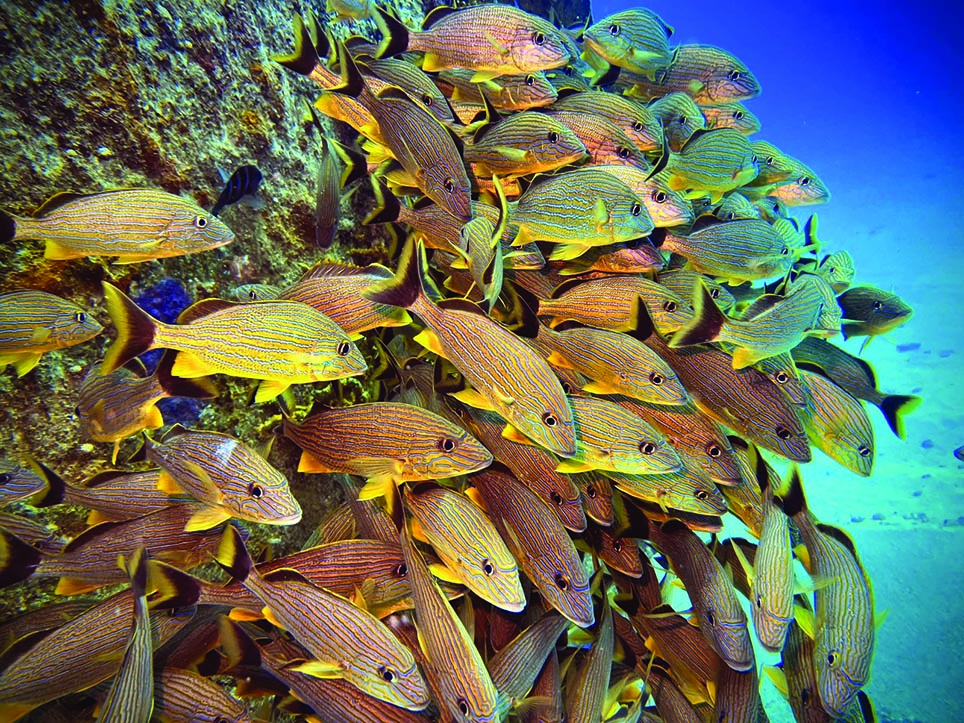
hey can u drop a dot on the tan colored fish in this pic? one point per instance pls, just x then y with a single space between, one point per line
134 224
732 115
279 342
35 322
515 667
523 143
708 74
605 141
837 424
20 482
666 207
637 40
634 119
506 92
183 696
588 684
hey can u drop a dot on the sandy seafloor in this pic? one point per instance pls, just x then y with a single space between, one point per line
868 94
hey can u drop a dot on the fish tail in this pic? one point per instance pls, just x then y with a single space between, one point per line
18 560
394 34
895 407
8 227
199 388
56 487
387 207
706 323
793 501
175 588
233 556
352 83
304 58
135 329
409 282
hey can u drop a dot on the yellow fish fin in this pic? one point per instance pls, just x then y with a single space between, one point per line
168 485
206 518
74 586
567 252
15 711
743 357
747 567
418 532
429 339
880 617
211 490
432 63
40 334
268 389
472 398
569 466
514 435
558 360
58 252
445 573
523 237
473 494
311 464
269 615
245 616
25 362
484 76
189 366
381 486
320 669
803 555
96 517
116 449
779 679
598 387
805 619
516 155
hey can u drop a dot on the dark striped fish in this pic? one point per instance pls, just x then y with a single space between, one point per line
605 141
33 535
837 425
738 697
467 689
115 495
539 543
634 257
134 224
633 119
587 685
597 496
680 118
183 696
386 443
492 40
672 704
228 477
844 626
23 626
521 144
732 115
416 84
19 482
468 543
131 696
620 553
506 375
708 74
243 182
516 666
637 40
545 704
869 311
279 342
712 162
345 641
35 322
328 187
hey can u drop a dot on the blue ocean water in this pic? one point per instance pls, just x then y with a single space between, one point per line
868 95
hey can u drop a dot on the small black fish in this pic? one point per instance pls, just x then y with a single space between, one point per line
959 453
243 182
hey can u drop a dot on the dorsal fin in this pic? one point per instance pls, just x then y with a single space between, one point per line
285 574
435 15
840 536
203 308
58 200
89 534
460 305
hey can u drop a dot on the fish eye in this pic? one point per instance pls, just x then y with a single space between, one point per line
681 120
562 582
670 306
635 209
591 492
427 100
701 494
449 185
253 295
863 450
784 433
638 126
782 377
710 617
622 152
730 216
200 222
759 601
256 490
80 317
714 293
878 305
768 160
784 251
549 419
734 75
656 378
617 545
567 387
343 349
647 448
714 450
553 137
738 115
387 674
832 658
462 703
487 567
556 497
805 181
401 570
753 158
530 79
659 196
4 478
447 444
805 696
568 71
538 38
614 30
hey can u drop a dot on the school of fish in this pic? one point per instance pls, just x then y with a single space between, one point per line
600 336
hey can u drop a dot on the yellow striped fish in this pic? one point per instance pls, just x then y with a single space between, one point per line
468 543
745 500
666 207
738 697
634 119
228 477
680 118
606 143
637 40
837 424
781 370
844 627
134 224
492 40
732 115
467 689
597 496
634 257
183 696
711 163
507 92
387 443
775 166
344 640
539 543
279 342
687 490
114 495
416 84
735 206
683 282
35 322
515 667
131 696
586 687
708 74
19 482
521 144
506 375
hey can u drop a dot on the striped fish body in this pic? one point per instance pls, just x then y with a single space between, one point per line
609 437
721 618
491 39
79 654
837 425
183 696
441 230
738 251
539 543
335 290
350 111
743 400
671 703
680 117
732 115
637 257
130 224
775 165
524 143
588 684
18 482
773 580
597 496
666 207
349 642
469 545
713 162
467 689
736 206
34 322
257 292
36 534
417 85
605 141
532 466
507 92
386 440
89 560
613 303
546 697
684 282
745 500
621 554
781 370
637 40
803 188
879 309
617 364
115 495
516 666
687 490
327 194
709 75
229 478
582 208
837 269
635 120
696 437
738 697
